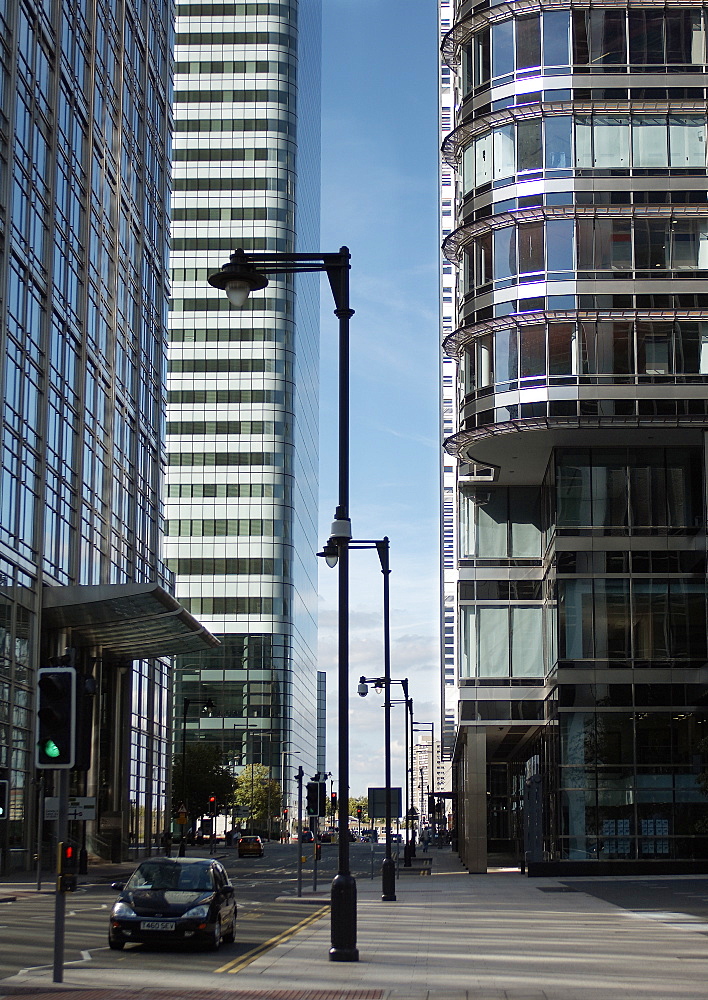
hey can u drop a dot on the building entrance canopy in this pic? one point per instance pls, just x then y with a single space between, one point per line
132 620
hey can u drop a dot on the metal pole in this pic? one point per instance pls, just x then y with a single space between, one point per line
40 818
407 847
298 778
433 764
60 897
343 896
185 709
388 868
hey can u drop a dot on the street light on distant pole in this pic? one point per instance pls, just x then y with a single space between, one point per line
407 701
431 727
243 274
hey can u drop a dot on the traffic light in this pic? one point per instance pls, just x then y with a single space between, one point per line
285 814
431 805
66 867
4 799
334 803
359 812
212 805
313 798
56 716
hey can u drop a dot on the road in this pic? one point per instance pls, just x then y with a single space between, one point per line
27 925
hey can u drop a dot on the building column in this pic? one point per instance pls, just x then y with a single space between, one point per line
473 800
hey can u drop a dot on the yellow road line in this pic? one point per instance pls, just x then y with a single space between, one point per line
240 963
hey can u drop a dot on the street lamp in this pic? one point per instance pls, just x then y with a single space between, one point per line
382 546
408 702
208 704
431 727
243 274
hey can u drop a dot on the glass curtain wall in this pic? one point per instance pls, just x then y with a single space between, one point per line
242 404
578 149
85 93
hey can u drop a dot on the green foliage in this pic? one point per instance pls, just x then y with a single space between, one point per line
260 794
197 776
362 801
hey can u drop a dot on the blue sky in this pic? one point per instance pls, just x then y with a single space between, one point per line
379 198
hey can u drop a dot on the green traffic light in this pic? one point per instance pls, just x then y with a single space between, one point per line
50 749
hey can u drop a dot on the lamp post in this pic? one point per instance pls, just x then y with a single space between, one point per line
185 709
388 868
408 702
431 727
242 274
382 546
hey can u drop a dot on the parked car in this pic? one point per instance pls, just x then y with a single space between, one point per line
250 847
174 899
307 836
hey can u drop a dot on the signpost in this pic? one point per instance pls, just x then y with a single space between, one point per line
80 807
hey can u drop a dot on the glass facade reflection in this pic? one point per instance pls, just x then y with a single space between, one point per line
85 134
577 161
243 384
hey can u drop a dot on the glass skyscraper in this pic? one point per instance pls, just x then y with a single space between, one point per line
85 149
243 385
579 235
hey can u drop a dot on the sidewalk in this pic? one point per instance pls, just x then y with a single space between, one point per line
449 936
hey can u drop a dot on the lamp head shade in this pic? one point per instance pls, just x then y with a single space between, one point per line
238 278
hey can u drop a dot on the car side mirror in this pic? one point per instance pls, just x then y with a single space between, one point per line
118 886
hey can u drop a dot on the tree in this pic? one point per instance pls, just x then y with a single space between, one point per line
260 794
363 801
199 775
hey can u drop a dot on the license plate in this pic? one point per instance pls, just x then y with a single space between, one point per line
156 925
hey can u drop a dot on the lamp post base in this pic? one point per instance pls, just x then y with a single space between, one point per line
343 917
388 880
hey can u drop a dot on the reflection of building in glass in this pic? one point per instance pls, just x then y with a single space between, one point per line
243 384
581 339
85 102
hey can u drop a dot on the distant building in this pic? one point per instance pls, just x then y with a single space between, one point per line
243 384
432 776
574 192
85 128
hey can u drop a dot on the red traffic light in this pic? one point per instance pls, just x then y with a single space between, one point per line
212 798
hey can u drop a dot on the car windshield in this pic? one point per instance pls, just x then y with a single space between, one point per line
179 878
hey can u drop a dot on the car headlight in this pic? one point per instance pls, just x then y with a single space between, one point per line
197 913
122 909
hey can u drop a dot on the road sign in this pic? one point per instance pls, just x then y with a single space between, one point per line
377 803
81 807
241 812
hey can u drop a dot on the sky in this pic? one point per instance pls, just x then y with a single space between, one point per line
380 198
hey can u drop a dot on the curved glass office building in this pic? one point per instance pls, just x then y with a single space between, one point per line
581 338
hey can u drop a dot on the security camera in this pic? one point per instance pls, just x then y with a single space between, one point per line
363 689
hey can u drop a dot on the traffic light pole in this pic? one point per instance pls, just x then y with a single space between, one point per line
299 776
60 897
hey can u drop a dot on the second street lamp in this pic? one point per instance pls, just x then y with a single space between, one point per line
243 274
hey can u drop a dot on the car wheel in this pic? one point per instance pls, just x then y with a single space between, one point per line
215 939
115 945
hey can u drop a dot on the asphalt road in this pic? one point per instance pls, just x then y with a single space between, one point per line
27 924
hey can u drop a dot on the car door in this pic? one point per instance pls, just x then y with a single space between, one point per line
225 891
